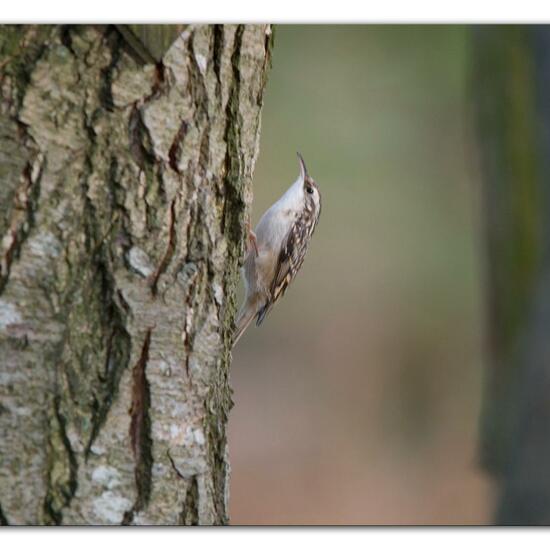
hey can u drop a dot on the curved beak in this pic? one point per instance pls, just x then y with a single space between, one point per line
303 169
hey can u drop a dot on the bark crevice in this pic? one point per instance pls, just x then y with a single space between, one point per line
140 430
190 512
169 249
62 471
3 518
25 203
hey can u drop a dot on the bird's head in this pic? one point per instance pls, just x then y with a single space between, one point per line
312 197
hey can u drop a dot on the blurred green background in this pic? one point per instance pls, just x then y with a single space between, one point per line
358 400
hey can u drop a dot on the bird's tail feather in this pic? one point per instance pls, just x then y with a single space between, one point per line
244 318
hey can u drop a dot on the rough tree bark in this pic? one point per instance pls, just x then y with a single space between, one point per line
512 88
123 192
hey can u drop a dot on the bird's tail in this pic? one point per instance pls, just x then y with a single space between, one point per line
247 313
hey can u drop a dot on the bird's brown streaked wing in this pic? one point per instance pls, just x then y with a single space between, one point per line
289 262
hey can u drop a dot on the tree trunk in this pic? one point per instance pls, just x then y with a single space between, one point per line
124 190
512 86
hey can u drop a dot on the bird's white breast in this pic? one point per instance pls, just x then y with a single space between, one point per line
277 221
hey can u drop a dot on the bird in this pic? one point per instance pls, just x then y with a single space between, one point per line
277 248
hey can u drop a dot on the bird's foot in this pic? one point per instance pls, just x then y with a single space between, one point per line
252 242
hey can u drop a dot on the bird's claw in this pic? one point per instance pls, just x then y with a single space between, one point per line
252 242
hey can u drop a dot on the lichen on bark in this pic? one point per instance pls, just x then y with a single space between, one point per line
124 190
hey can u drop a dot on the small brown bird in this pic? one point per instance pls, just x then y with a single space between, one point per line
277 249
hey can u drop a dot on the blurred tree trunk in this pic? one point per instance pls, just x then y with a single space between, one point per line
123 191
512 89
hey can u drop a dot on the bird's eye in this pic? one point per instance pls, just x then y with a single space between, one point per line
309 190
